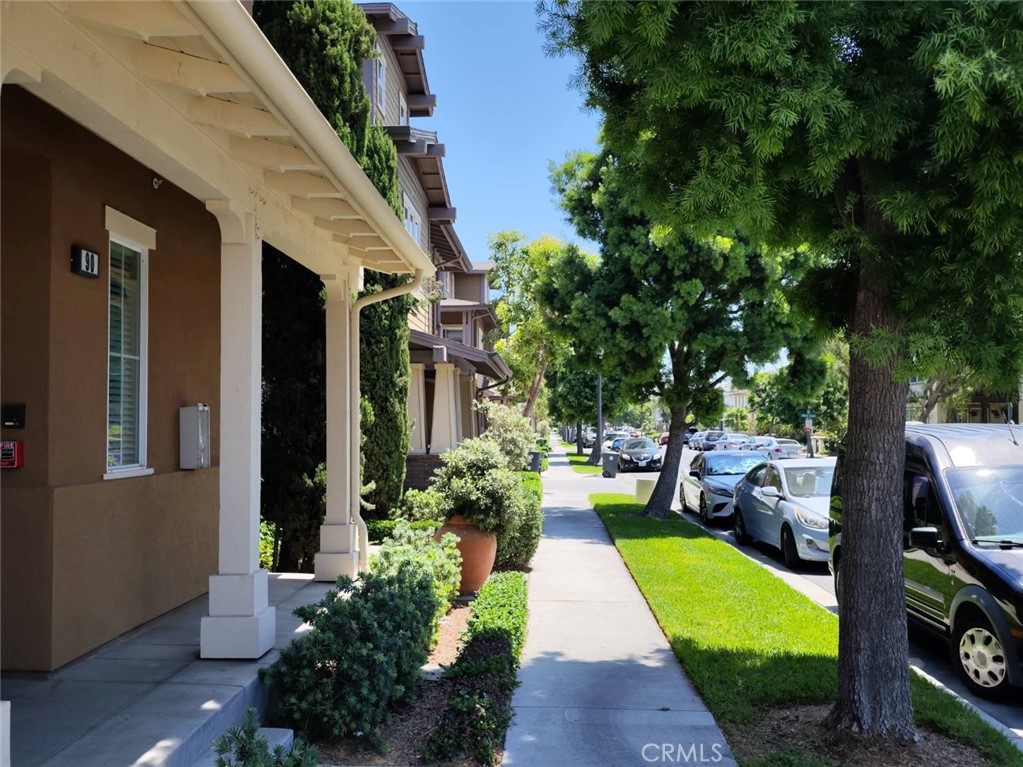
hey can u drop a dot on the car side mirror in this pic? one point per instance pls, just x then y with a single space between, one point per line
770 492
694 473
924 538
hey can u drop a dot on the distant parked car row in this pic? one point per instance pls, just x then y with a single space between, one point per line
962 540
768 447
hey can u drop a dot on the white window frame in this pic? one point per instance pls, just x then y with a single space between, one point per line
135 235
460 328
413 214
381 80
403 116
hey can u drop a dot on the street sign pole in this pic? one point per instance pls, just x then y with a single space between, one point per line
808 428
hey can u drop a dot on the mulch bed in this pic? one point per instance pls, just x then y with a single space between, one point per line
408 729
799 727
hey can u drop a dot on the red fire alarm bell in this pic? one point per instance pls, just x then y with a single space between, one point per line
12 454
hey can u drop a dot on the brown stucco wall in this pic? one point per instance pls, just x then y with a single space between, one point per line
26 583
124 550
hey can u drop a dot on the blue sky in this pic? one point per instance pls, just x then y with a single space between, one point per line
504 111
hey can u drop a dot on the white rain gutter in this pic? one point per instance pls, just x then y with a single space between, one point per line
355 387
247 49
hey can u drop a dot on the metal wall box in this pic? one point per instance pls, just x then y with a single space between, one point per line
194 426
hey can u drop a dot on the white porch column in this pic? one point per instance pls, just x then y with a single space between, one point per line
444 432
467 421
417 407
241 623
459 433
338 553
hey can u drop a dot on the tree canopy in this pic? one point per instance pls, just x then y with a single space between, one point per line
882 137
672 314
528 340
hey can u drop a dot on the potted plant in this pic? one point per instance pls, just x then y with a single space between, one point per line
481 500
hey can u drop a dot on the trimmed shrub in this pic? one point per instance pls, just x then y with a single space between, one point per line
479 712
475 483
368 641
515 551
510 431
380 529
421 505
418 548
243 746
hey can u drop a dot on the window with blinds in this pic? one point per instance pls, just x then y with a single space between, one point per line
126 387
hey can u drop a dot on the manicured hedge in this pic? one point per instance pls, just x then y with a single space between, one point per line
515 550
479 712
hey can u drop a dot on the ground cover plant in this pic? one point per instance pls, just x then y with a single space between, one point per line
578 462
752 645
479 709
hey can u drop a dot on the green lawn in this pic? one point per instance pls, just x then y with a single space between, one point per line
710 601
578 462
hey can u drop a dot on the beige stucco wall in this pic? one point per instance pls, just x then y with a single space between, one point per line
125 550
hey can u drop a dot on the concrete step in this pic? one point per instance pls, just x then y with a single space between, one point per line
275 736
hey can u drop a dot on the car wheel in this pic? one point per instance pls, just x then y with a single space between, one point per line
704 516
980 657
742 537
788 549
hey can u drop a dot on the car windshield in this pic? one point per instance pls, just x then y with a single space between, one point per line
731 464
639 444
990 501
810 481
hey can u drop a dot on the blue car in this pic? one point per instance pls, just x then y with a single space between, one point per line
785 504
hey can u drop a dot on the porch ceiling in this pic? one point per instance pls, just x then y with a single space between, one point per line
194 91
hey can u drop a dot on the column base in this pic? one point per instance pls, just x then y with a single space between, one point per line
329 565
237 637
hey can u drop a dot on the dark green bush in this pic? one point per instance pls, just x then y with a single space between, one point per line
418 548
368 641
479 712
243 746
379 529
515 551
475 483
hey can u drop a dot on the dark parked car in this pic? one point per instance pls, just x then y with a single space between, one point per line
639 454
963 546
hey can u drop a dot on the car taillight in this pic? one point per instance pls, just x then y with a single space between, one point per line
777 450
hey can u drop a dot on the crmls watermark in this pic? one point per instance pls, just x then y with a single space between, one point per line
677 753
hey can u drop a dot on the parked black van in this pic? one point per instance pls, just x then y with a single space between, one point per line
963 546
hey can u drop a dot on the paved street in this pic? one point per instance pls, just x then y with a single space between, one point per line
927 653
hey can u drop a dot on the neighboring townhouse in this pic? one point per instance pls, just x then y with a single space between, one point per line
452 364
148 150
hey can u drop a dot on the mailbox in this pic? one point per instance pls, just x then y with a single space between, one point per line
194 430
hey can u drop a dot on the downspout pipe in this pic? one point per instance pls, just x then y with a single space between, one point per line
356 411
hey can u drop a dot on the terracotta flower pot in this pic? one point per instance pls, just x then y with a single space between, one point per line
478 550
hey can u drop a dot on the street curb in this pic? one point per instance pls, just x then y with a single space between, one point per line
1008 733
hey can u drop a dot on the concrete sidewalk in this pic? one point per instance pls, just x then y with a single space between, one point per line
600 684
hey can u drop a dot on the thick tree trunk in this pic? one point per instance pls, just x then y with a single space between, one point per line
660 501
578 438
873 668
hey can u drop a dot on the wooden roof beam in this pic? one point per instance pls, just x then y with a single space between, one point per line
324 207
301 184
346 227
408 42
442 214
235 118
191 73
271 155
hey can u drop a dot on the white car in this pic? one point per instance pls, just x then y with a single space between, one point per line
610 437
777 447
696 440
731 441
785 504
706 487
754 443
